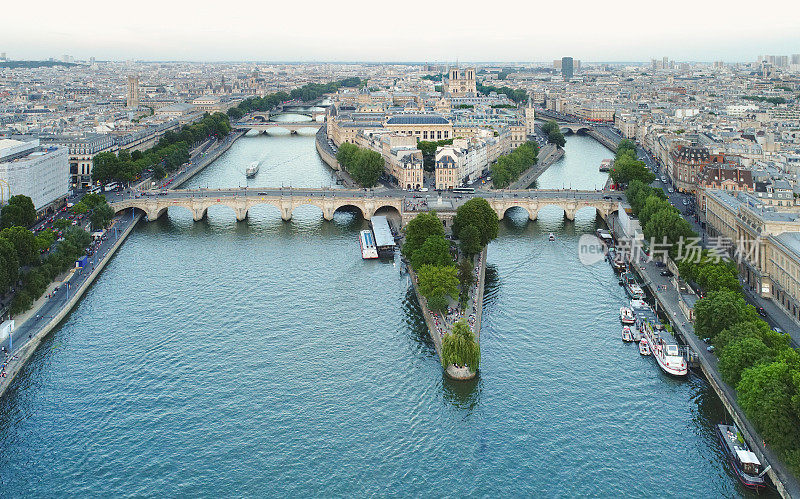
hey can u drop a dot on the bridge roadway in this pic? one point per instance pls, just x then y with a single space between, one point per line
263 126
368 202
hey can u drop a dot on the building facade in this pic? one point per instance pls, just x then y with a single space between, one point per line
39 172
461 83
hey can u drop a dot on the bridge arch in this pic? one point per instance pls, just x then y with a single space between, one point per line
515 210
349 208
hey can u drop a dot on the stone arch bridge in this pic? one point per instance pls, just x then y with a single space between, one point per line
366 202
265 126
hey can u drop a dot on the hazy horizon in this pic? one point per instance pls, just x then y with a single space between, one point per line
415 31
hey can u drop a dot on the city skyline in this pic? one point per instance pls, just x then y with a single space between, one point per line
349 31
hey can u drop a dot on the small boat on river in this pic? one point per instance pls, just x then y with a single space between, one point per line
367 242
626 315
664 349
252 170
744 462
643 348
627 335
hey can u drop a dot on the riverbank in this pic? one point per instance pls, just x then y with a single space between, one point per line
47 308
460 374
548 155
329 157
23 353
206 160
668 300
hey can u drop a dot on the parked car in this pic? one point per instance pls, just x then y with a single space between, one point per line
761 311
666 273
660 264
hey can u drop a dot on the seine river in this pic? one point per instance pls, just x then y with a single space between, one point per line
268 359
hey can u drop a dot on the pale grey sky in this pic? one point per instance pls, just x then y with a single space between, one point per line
410 30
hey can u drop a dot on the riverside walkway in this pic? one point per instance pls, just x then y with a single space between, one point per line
61 297
438 325
667 298
548 155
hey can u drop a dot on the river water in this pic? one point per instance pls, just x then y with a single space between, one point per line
267 358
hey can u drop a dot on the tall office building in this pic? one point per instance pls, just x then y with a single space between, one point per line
133 91
795 58
567 68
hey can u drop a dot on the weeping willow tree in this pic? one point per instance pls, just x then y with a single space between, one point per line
460 348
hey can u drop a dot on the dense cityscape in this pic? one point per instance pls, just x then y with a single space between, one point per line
322 278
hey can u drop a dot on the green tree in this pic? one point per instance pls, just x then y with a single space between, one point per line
765 392
742 354
101 216
470 240
434 251
45 239
627 168
465 276
104 167
346 154
460 348
18 212
477 213
624 146
436 284
366 167
755 328
61 223
419 229
720 310
24 244
9 265
159 172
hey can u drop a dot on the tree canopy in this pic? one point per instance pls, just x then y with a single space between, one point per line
419 229
478 214
24 243
436 284
510 166
720 310
554 134
18 212
364 165
460 348
434 251
627 168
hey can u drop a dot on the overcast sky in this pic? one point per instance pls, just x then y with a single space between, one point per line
410 30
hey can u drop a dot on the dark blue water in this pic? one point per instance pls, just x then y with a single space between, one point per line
268 359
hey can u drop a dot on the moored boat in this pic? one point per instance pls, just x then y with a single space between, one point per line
643 348
627 336
551 237
367 242
664 350
744 462
626 315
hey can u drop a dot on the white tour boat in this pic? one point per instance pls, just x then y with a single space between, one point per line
664 350
626 315
551 237
368 248
252 170
627 335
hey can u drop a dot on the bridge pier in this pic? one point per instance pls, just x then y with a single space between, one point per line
327 211
286 212
570 213
154 213
199 214
241 214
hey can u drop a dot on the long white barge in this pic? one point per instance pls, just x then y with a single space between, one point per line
367 242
